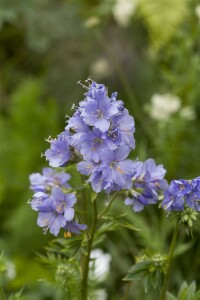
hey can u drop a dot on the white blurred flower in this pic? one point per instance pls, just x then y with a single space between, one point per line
188 113
162 106
100 68
123 11
100 295
100 263
10 270
197 11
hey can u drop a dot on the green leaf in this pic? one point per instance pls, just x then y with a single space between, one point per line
2 263
146 279
182 248
120 220
170 296
16 296
66 247
137 270
191 289
187 292
93 196
154 277
129 226
196 296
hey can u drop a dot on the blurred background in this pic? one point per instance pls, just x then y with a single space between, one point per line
146 50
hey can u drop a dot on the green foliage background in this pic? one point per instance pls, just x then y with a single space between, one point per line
46 46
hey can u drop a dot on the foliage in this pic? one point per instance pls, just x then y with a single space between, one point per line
150 268
187 292
45 48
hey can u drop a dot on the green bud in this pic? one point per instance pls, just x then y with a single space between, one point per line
190 223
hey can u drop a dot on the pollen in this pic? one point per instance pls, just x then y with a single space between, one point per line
120 170
67 234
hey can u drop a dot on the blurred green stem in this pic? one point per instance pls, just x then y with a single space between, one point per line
86 259
87 256
127 289
2 297
106 208
84 198
126 85
170 258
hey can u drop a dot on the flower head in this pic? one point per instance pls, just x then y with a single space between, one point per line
148 183
98 111
102 129
182 193
55 210
59 154
49 177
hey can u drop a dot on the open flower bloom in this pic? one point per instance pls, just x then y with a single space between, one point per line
182 193
59 154
148 183
49 177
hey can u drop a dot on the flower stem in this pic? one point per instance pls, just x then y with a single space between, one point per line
87 256
127 289
2 297
170 258
106 208
133 102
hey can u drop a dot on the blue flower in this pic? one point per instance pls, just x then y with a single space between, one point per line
182 193
63 203
124 126
147 184
193 198
172 201
116 169
54 210
52 221
40 201
181 187
95 91
59 153
112 172
99 123
79 130
95 171
48 179
92 145
74 227
98 113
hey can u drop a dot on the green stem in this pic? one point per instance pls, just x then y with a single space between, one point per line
126 293
87 257
170 258
106 208
2 297
84 198
136 107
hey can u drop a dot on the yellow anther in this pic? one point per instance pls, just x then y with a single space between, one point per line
120 170
67 234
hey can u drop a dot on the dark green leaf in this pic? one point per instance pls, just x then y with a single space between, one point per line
137 270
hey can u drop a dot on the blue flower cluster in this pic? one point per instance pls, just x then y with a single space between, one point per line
55 208
148 183
99 137
182 193
100 133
